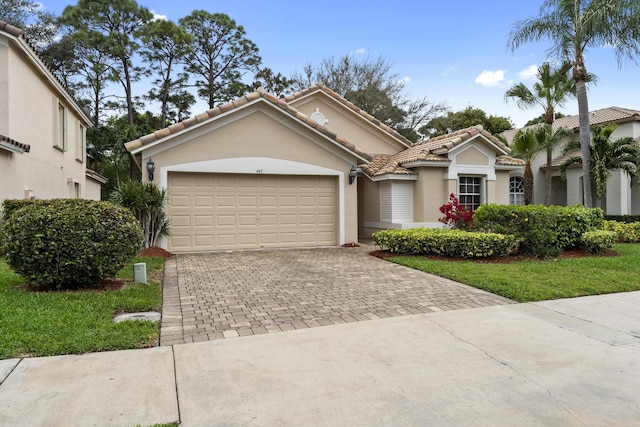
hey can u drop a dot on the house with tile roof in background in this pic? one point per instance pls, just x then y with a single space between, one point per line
311 169
42 129
621 198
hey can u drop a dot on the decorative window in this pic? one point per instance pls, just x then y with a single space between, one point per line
516 190
318 117
59 125
81 143
470 191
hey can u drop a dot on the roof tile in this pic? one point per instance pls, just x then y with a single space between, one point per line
23 147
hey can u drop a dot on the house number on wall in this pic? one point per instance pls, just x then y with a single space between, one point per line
258 170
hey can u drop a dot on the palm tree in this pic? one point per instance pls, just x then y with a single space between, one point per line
573 26
525 145
606 156
553 88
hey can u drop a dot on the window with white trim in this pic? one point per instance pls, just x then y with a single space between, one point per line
59 125
470 191
516 190
81 143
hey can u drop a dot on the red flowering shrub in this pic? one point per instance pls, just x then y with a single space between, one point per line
456 215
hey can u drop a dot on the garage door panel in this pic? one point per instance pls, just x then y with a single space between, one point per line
223 211
226 220
203 221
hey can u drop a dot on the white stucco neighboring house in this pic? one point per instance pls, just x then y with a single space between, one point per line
42 129
621 198
311 169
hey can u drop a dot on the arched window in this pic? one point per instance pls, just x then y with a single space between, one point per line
516 190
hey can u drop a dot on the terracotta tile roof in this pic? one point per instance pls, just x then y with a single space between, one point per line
384 164
13 143
8 28
443 143
558 161
211 113
596 117
351 106
96 176
509 161
434 150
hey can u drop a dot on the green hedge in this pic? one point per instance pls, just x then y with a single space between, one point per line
69 243
623 218
445 242
9 206
540 230
598 240
625 232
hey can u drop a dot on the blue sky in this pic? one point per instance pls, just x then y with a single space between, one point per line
453 52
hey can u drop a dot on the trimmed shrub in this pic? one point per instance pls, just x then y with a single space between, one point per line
625 232
445 242
623 218
70 243
598 240
9 206
541 230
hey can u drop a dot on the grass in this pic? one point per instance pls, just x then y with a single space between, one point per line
538 280
53 323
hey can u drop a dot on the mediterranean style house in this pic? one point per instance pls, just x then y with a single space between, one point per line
621 198
311 169
42 129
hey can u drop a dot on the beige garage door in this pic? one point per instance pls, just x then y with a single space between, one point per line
225 211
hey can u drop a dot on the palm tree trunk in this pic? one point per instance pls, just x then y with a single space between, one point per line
585 139
528 184
547 177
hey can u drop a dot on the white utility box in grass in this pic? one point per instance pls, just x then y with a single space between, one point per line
140 272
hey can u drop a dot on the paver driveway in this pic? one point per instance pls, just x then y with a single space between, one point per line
222 295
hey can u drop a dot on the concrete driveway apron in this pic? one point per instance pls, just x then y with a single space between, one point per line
223 295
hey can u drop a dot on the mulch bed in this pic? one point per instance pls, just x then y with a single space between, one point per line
103 286
502 260
154 251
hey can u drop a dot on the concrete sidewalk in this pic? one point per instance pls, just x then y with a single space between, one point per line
566 362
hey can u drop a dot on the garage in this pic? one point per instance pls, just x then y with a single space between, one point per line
218 211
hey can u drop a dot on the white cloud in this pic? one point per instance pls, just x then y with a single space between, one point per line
448 71
490 78
158 17
529 73
360 51
405 80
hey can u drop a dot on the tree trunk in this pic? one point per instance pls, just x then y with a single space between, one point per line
528 184
547 177
585 135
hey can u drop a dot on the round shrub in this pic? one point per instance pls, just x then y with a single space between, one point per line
70 243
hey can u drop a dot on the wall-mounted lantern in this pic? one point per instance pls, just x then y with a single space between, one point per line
353 173
151 168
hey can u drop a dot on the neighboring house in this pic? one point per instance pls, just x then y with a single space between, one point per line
267 172
42 129
621 199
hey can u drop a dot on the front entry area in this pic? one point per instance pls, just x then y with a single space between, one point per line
209 211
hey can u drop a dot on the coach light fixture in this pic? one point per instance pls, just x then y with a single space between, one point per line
151 168
353 173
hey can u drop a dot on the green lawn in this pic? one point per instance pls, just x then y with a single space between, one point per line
538 280
51 323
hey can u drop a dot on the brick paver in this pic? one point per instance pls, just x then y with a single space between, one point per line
234 294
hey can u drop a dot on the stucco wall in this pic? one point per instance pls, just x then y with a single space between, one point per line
45 170
348 124
430 192
258 140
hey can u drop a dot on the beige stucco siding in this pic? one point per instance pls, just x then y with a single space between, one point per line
349 124
501 188
472 156
430 192
262 141
46 171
